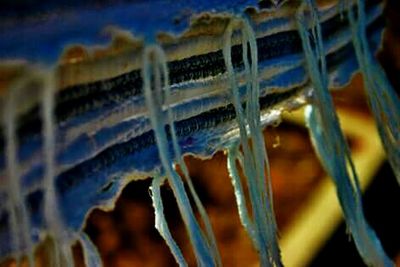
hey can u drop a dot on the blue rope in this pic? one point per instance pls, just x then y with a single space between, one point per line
383 100
331 146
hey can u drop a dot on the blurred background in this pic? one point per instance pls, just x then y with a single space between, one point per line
126 236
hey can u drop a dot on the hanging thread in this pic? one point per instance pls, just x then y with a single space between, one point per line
330 143
18 213
382 98
255 160
202 249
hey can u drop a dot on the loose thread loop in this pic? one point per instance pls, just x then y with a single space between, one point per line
179 157
62 253
255 160
19 220
201 246
331 145
382 98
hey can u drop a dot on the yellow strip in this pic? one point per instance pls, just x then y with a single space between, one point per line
315 223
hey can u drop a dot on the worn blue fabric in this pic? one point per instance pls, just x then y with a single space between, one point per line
77 147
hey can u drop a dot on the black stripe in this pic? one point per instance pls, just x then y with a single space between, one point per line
77 100
203 122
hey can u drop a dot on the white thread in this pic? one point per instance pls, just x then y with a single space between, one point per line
161 223
255 160
239 193
178 156
331 144
90 253
201 247
19 217
382 98
56 227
